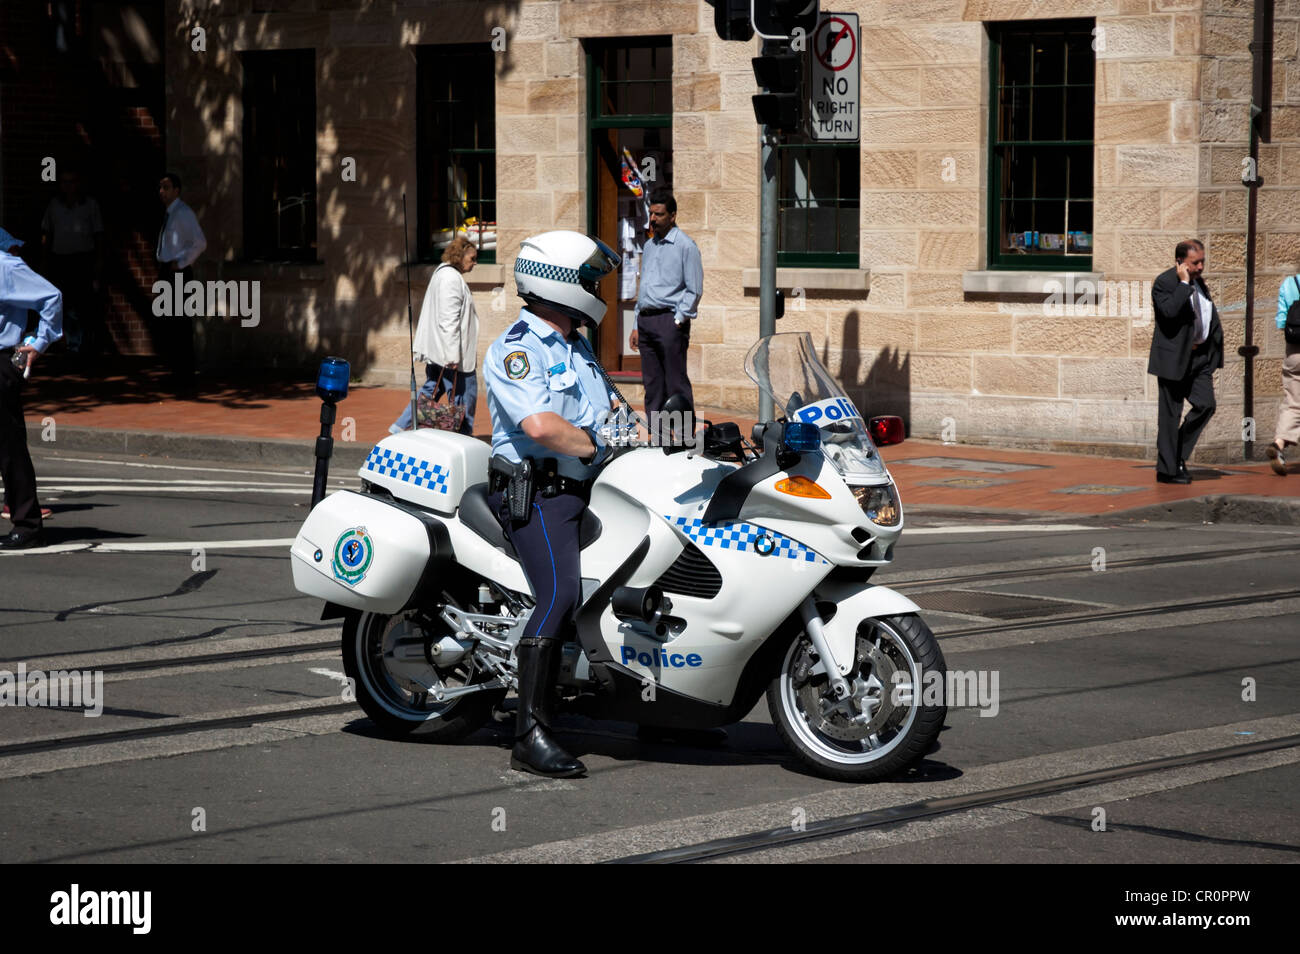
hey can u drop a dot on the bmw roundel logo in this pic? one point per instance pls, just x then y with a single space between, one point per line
764 544
318 556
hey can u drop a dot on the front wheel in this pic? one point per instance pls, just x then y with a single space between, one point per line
881 727
389 662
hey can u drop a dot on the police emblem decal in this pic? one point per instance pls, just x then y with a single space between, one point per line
516 365
353 552
764 544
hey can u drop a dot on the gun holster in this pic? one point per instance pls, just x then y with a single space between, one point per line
517 480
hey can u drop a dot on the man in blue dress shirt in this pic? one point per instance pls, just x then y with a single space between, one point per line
21 289
672 281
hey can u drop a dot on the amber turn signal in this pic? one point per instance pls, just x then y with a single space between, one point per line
802 487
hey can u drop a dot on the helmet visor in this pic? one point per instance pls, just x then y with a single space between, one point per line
600 263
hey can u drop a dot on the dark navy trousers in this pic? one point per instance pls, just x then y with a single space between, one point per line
663 345
548 548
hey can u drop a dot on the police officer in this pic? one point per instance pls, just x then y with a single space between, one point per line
21 289
548 399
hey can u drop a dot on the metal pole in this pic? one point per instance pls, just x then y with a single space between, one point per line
767 246
1249 349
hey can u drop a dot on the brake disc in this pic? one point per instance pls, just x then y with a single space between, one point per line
868 706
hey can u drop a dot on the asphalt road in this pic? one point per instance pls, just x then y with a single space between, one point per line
1115 647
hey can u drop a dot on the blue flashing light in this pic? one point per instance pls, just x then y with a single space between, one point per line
802 437
332 380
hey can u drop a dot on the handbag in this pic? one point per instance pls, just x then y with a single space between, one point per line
445 417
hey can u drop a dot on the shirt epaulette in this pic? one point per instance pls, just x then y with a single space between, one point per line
518 331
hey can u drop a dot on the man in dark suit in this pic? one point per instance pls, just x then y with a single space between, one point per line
1186 350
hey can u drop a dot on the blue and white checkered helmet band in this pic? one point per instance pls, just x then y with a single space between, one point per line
741 538
524 266
408 469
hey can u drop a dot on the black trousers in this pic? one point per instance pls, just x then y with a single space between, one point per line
1174 442
548 547
663 346
175 336
15 461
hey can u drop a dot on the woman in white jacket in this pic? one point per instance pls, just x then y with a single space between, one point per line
446 338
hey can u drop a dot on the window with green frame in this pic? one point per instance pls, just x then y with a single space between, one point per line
1041 144
455 150
818 205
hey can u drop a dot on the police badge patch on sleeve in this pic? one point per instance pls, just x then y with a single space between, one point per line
516 365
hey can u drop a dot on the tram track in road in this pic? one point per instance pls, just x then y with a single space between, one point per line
1014 574
928 809
273 653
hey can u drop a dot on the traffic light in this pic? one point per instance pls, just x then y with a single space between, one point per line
778 19
781 74
731 19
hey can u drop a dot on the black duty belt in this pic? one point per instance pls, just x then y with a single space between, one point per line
549 481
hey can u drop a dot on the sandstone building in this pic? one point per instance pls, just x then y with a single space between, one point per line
1006 145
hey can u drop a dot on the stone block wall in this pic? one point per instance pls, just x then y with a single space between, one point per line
1172 89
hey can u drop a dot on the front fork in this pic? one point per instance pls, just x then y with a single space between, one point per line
812 624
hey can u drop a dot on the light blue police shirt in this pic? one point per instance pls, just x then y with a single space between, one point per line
531 369
22 289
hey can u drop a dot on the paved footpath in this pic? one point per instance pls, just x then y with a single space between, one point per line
136 410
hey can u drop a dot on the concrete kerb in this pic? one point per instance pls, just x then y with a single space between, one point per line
238 450
1219 508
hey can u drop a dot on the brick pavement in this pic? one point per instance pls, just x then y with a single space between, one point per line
138 398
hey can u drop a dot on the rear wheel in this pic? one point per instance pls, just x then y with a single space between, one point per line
390 662
881 727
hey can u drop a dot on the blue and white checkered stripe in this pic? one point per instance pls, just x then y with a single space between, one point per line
557 273
741 537
408 469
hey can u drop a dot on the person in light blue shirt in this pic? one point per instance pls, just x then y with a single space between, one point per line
1288 415
672 283
21 290
531 369
548 400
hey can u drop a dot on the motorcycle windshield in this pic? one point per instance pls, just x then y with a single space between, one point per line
787 369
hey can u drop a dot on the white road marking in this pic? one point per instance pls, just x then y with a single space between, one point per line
332 674
186 546
1001 528
173 481
221 488
203 470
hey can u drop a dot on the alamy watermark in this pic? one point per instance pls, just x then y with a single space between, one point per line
666 429
1103 299
955 689
58 689
194 299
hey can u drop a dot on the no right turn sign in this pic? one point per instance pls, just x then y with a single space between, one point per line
836 79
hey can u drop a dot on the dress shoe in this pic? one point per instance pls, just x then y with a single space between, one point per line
1172 478
1183 471
1276 460
698 738
22 540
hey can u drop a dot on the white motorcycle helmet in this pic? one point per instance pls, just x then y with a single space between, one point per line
562 269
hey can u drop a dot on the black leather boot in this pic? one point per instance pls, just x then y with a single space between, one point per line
535 751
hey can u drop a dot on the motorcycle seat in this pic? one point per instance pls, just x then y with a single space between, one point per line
476 514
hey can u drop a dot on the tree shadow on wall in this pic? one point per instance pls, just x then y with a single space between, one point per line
878 382
366 110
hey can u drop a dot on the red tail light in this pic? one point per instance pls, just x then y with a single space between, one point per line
887 430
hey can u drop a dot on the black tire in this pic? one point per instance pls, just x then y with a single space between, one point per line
386 697
908 731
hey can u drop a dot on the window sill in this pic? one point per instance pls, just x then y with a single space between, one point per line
489 275
815 279
1021 283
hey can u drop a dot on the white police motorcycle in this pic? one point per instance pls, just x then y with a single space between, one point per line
710 575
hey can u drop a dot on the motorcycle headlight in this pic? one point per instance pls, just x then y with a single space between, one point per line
879 503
